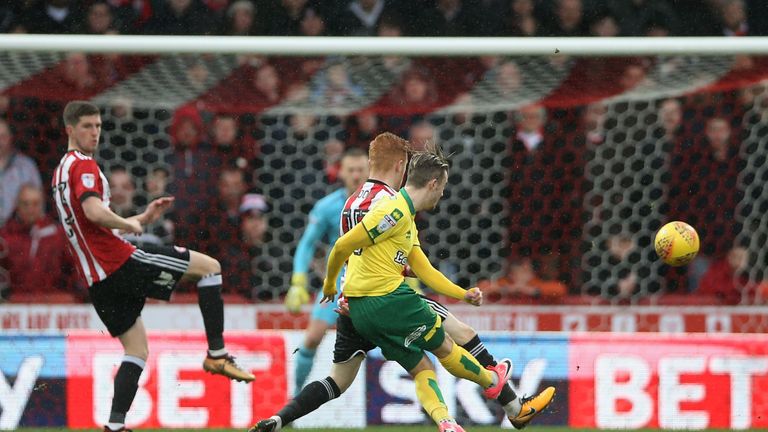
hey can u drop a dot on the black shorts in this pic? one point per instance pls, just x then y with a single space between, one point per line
350 343
152 271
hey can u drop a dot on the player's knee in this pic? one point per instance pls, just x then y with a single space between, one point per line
138 351
202 265
463 334
213 266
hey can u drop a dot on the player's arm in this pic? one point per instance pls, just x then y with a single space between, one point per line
354 239
154 210
96 212
437 281
297 294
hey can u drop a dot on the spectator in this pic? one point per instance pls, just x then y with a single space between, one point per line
726 278
16 169
244 259
671 119
361 129
161 231
333 151
50 16
507 79
268 86
593 122
518 20
99 20
734 18
156 183
361 18
420 134
229 144
334 87
223 216
312 23
182 17
569 19
194 168
530 126
285 19
704 193
241 20
522 281
451 18
76 73
417 90
634 75
603 25
122 192
622 254
8 16
37 258
639 17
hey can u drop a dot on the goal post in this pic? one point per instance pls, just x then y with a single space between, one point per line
568 153
408 46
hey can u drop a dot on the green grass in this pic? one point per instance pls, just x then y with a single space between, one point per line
378 429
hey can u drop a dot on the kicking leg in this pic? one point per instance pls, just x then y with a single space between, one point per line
136 351
466 337
206 271
462 364
519 411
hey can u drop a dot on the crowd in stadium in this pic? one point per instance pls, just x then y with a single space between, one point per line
389 17
214 172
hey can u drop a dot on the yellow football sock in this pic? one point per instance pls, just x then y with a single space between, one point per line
461 364
430 397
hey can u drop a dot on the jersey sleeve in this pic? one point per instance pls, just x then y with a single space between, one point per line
305 250
383 221
85 180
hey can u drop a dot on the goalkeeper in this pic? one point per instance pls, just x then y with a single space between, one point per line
323 225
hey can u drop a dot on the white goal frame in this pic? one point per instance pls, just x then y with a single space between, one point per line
408 46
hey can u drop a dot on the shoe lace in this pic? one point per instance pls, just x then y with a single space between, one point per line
231 360
525 399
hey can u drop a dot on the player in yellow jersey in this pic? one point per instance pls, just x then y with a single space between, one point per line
386 311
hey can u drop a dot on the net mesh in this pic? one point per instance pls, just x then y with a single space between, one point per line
571 163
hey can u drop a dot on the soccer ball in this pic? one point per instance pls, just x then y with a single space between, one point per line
677 243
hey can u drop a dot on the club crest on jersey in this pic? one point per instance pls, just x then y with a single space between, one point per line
89 180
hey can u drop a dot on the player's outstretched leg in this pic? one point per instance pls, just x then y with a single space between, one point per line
462 364
134 342
207 272
313 395
520 411
323 317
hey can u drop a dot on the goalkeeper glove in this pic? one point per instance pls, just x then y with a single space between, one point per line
297 294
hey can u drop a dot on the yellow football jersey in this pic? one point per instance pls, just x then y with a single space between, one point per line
377 269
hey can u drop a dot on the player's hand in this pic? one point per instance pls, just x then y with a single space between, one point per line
156 208
132 226
297 295
343 308
329 291
474 296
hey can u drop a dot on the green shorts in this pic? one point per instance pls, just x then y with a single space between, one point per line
400 323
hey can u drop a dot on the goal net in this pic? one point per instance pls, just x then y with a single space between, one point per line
569 163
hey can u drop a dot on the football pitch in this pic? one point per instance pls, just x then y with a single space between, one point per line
386 429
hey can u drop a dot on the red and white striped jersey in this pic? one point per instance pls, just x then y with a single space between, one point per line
97 250
358 204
